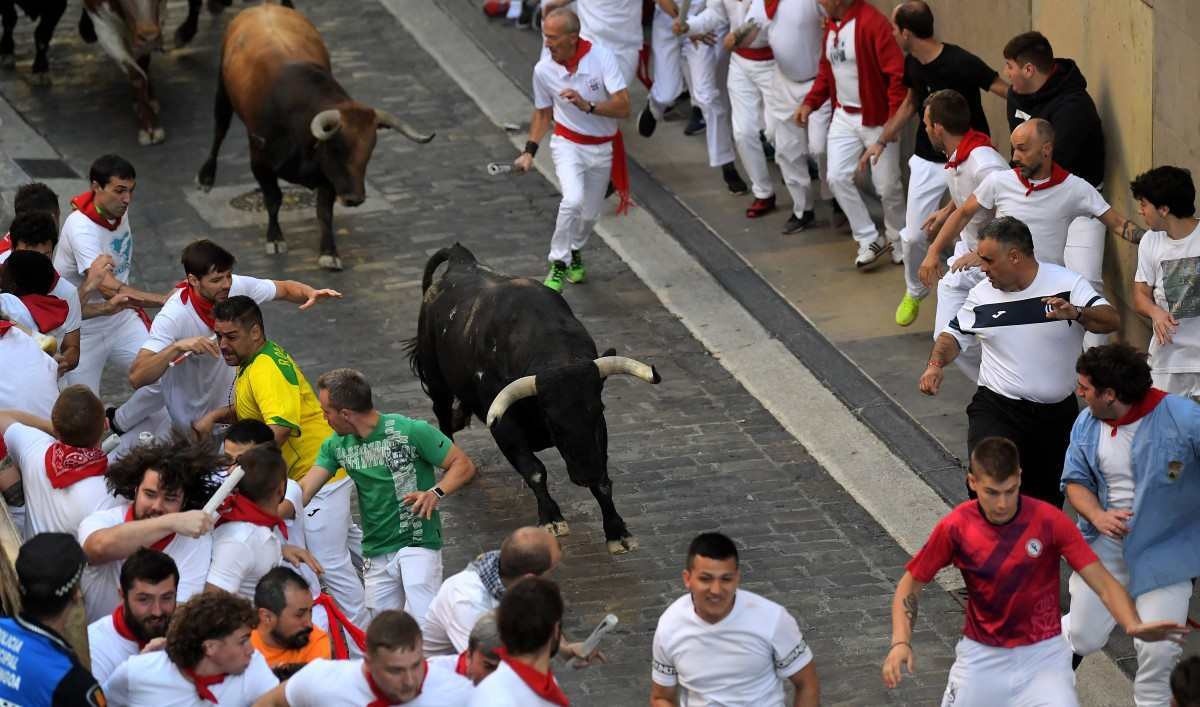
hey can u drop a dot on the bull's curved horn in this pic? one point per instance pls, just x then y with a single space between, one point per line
326 124
387 120
523 387
611 365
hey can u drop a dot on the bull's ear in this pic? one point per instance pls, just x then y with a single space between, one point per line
609 352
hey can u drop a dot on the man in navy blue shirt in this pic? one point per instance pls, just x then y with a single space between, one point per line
37 667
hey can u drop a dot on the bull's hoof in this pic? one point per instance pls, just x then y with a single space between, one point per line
185 34
153 136
276 247
558 528
330 262
204 185
8 61
622 546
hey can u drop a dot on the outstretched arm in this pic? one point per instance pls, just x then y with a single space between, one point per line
302 294
904 616
1118 602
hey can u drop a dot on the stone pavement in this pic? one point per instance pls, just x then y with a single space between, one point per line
694 453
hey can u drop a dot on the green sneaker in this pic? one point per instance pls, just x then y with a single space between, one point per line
576 273
907 312
554 280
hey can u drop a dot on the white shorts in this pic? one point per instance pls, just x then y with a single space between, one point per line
1037 675
406 579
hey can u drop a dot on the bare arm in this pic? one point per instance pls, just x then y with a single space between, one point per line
68 352
277 697
204 426
1163 322
999 87
1087 505
539 125
459 471
301 293
904 616
669 7
124 539
808 687
661 696
1118 602
9 418
1098 319
1121 226
617 106
313 481
894 124
149 366
945 350
956 221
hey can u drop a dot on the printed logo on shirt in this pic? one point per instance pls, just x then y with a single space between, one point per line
1034 548
999 314
1174 469
593 84
837 53
95 697
1181 286
792 655
1022 114
663 668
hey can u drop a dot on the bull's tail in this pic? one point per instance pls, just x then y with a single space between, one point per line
455 252
410 349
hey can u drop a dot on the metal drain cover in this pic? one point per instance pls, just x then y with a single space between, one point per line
294 198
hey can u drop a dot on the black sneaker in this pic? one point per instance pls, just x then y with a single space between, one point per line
696 123
87 30
647 122
768 148
111 414
796 224
733 180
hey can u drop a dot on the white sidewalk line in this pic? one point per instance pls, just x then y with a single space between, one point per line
876 479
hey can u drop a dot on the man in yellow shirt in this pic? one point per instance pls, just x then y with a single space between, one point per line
271 388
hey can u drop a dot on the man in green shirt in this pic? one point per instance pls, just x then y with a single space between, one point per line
391 459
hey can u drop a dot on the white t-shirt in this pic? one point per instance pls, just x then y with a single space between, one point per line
1171 268
152 680
200 383
843 59
452 614
504 688
795 38
63 290
741 660
963 180
36 388
1047 212
1025 355
324 683
596 79
82 241
241 554
1114 454
107 648
101 582
721 16
614 23
51 510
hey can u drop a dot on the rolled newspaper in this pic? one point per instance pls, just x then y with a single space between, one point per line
47 343
606 625
684 9
235 475
740 34
187 354
497 168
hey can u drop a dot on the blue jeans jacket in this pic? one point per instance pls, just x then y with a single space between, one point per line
1163 544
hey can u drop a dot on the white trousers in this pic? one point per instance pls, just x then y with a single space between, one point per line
793 143
1088 624
952 292
750 82
848 138
583 172
406 579
327 534
627 61
708 69
1084 253
667 51
926 185
1037 675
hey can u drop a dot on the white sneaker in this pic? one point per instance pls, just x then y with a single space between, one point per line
869 257
897 254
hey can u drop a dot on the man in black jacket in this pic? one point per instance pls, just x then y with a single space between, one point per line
1055 89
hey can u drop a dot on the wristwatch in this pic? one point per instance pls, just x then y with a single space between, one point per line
591 107
437 491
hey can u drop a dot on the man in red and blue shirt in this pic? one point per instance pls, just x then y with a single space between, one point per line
1007 547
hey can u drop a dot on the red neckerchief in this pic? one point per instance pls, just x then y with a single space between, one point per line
851 13
86 202
581 50
123 630
1058 175
771 6
5 325
6 243
337 623
461 666
238 508
67 465
1138 410
202 307
382 700
48 312
974 138
161 544
543 684
202 682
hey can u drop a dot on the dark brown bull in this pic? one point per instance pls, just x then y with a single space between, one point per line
187 30
303 126
128 31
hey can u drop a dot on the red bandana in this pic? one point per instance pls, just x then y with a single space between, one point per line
123 630
6 243
162 543
86 202
202 307
969 142
1138 410
382 700
581 50
1058 175
67 465
5 325
771 6
49 312
543 684
239 508
202 682
461 666
337 623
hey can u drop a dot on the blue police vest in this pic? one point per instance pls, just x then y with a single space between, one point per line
33 661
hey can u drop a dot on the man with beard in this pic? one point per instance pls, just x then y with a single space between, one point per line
168 484
149 580
285 634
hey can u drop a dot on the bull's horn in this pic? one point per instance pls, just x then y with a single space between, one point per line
326 124
387 120
524 387
610 365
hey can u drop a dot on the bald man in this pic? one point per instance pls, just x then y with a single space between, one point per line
1039 193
